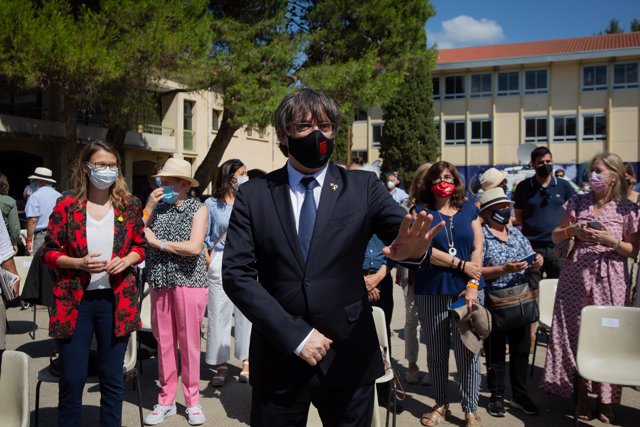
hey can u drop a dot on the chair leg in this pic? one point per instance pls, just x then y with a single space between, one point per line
32 333
38 403
576 380
137 385
395 400
389 408
535 349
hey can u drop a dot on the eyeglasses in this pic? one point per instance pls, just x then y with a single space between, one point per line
303 127
102 166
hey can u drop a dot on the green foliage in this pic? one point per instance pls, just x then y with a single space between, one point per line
359 51
614 27
635 25
410 137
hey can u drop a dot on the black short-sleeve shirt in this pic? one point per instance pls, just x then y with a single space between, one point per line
541 208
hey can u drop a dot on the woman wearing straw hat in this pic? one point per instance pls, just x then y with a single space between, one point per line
503 246
175 229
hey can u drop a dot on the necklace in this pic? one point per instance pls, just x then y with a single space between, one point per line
452 250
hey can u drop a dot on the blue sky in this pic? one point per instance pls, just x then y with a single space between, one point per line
460 23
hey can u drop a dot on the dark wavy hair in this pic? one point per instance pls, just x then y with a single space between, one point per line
425 196
4 185
224 183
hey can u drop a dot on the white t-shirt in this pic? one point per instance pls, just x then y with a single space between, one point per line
100 241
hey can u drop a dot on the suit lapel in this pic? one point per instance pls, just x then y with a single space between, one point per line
279 184
330 191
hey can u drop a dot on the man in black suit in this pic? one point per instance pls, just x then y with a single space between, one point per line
293 265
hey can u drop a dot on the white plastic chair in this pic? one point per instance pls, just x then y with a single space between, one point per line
129 370
14 389
388 376
546 299
608 347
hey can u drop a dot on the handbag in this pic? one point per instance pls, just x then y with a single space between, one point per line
512 307
564 249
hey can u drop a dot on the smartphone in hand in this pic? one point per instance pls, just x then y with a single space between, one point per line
596 225
530 259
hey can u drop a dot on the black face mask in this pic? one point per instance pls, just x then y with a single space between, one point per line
544 170
312 151
501 216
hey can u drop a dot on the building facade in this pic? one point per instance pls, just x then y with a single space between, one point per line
577 96
182 124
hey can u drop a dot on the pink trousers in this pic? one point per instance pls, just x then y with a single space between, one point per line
176 319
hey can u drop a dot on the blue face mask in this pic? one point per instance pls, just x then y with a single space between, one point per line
34 186
158 181
169 195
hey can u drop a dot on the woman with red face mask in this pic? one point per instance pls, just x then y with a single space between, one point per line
454 279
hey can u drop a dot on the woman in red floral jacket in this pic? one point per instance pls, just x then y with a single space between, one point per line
95 237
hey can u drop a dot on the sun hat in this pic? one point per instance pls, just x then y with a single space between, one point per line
178 168
491 197
474 326
43 174
492 178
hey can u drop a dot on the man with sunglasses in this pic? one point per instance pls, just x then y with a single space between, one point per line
293 265
538 206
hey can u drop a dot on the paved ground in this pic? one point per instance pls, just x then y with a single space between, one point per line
229 405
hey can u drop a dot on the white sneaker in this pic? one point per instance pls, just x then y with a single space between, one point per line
159 413
195 414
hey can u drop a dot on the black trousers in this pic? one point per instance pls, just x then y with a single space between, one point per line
519 340
337 407
552 266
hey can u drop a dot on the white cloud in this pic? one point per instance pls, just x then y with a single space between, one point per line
466 31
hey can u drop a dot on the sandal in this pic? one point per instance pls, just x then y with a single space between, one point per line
220 376
438 415
472 419
244 374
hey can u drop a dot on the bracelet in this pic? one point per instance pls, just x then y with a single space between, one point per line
162 245
146 214
617 245
453 258
473 283
566 233
459 264
463 264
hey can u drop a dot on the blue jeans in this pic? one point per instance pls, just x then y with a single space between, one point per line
95 315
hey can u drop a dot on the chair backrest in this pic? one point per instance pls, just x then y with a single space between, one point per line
608 345
381 330
14 389
22 266
546 300
145 309
131 355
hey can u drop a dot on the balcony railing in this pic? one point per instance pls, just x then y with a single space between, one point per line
155 129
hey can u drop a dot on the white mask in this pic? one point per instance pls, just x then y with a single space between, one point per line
240 180
391 185
103 179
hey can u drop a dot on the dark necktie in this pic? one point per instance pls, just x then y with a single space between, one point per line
307 215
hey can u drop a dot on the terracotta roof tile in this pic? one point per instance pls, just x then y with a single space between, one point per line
540 48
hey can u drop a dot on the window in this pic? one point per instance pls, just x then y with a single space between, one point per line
435 82
564 128
188 125
535 81
594 78
594 127
249 131
376 135
215 119
454 87
509 83
536 129
481 131
454 133
261 133
480 85
625 76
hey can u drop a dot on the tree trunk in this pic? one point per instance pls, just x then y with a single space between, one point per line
116 136
70 150
209 167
